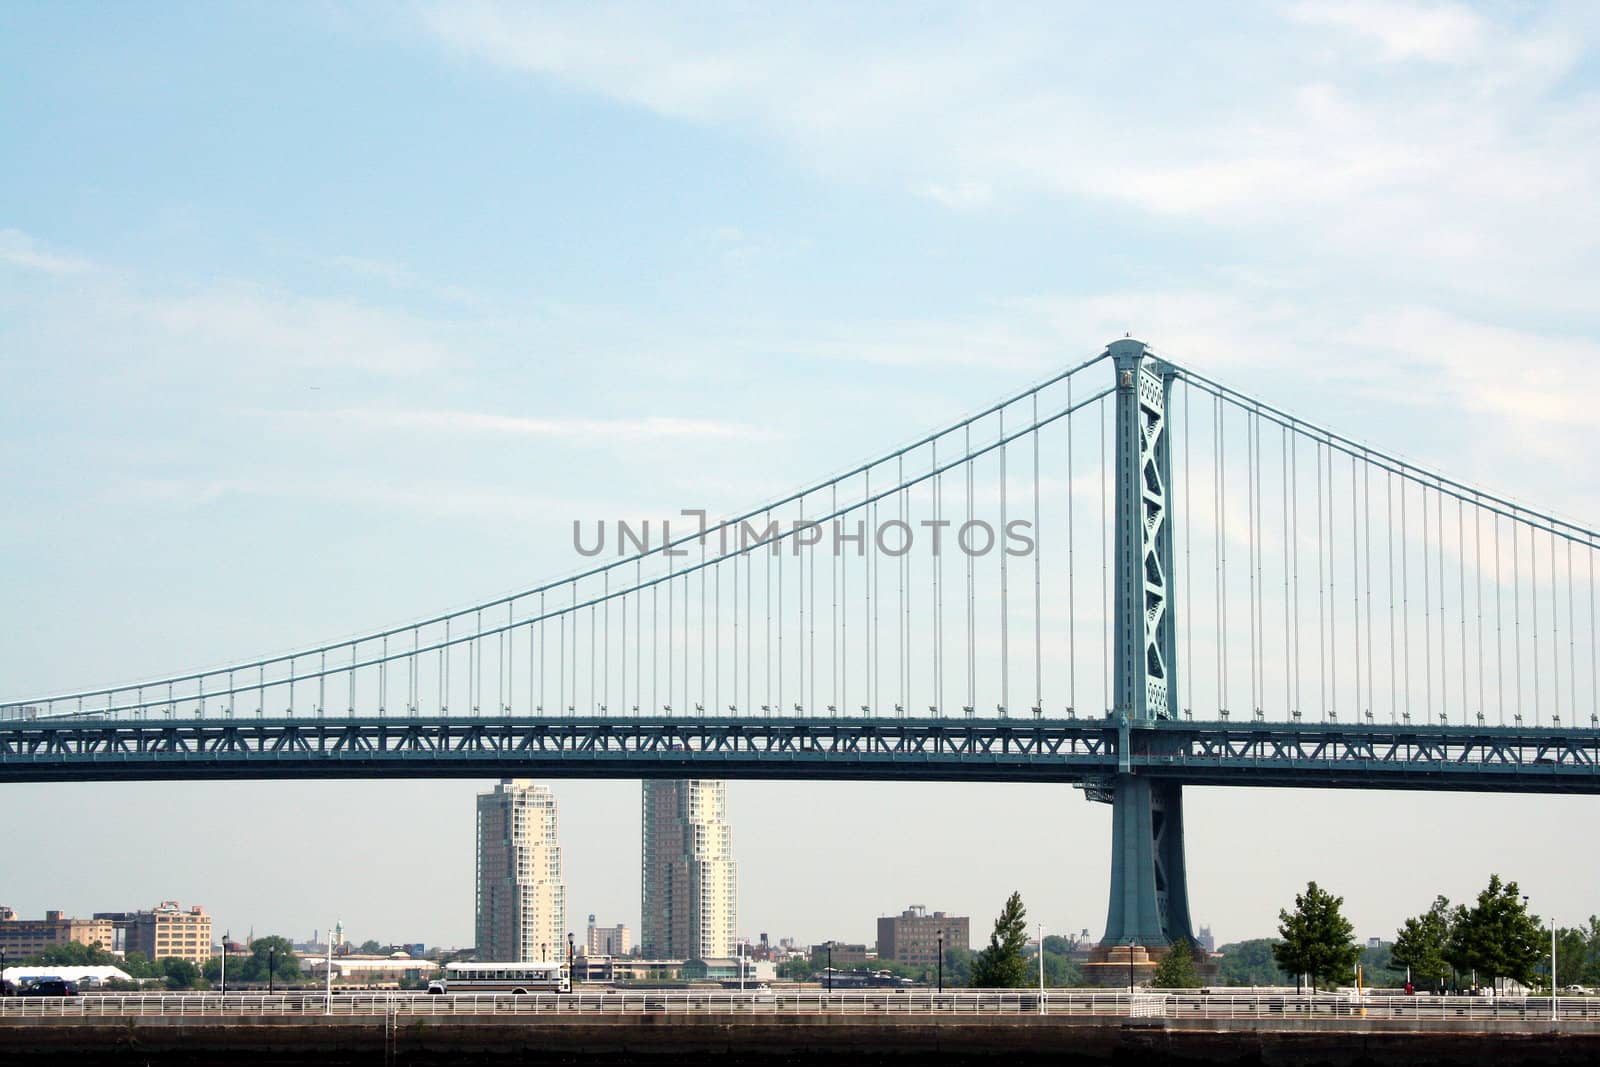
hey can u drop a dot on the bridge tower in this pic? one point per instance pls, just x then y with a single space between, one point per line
1149 906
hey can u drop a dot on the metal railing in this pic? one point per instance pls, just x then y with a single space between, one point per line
1420 1010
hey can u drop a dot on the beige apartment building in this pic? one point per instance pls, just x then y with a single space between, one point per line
20 938
166 931
607 940
522 900
690 884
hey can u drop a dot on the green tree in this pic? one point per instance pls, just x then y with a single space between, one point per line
180 974
1423 944
1004 964
1578 954
1496 937
1317 938
1250 963
1377 966
959 963
274 953
1176 969
370 947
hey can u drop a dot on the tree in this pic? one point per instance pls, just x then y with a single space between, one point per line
370 947
1423 945
1004 964
1176 969
1578 954
1317 938
1497 938
180 974
274 953
959 964
1250 963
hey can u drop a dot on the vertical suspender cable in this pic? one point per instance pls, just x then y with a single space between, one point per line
1499 626
1294 541
1005 637
1250 541
972 685
1105 588
1594 645
1333 597
1038 596
1216 544
781 706
1355 586
1533 615
874 650
1572 648
1072 577
1405 595
1444 626
1516 610
835 644
1555 634
1388 522
1288 662
1428 611
1477 576
905 583
1261 579
1189 581
800 615
937 560
1322 622
1222 539
1366 518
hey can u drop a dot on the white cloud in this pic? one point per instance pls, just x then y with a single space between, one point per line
1461 161
20 250
573 430
1440 33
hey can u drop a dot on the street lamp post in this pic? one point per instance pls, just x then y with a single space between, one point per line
222 965
830 966
1041 968
272 965
1553 1015
572 959
941 961
741 965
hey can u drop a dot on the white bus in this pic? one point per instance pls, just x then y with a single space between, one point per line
503 978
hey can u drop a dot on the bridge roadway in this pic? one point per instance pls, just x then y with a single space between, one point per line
1085 751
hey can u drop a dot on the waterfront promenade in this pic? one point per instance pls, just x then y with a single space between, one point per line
789 1027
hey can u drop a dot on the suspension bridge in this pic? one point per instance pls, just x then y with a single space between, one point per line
1128 576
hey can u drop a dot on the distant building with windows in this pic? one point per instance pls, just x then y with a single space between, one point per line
912 937
840 953
607 940
167 931
521 899
689 899
20 938
1206 939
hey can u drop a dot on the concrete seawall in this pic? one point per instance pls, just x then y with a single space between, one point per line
658 1039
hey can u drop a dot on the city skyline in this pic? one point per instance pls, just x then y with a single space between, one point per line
386 302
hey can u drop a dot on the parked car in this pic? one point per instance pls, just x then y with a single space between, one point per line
52 987
1577 990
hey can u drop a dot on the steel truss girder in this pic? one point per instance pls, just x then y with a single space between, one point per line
1505 759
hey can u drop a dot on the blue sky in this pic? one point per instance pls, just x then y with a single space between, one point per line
315 318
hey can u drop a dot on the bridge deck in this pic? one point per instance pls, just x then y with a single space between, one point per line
1090 751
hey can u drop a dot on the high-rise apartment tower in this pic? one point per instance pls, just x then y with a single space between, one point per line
522 901
690 891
